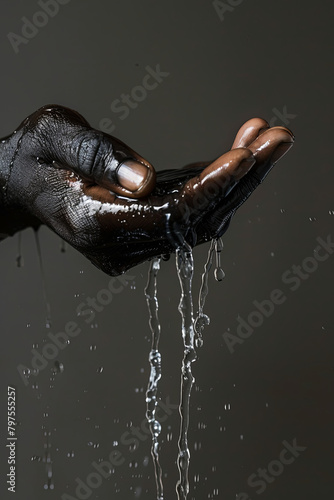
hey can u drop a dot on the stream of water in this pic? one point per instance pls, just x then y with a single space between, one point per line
155 372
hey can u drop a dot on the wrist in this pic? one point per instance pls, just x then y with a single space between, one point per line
13 217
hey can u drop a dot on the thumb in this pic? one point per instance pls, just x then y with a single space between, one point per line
69 142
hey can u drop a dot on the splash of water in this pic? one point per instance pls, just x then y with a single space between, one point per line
185 270
155 373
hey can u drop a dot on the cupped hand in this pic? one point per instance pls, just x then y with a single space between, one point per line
107 201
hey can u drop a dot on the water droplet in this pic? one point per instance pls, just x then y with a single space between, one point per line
201 322
199 342
138 491
156 428
58 367
218 272
63 246
19 261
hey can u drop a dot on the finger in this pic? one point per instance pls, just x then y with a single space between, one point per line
245 136
92 154
109 163
217 180
199 164
249 132
269 148
232 166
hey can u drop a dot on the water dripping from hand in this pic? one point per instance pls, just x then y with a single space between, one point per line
185 269
155 372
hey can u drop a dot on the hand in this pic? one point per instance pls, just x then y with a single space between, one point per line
108 203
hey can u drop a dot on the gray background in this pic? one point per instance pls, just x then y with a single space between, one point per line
262 56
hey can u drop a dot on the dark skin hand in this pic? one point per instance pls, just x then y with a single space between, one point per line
107 201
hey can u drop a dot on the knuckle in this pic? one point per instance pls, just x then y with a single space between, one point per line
94 152
49 125
56 114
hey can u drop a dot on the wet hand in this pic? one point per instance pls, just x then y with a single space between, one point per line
108 202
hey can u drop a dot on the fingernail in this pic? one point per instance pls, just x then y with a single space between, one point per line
131 174
281 150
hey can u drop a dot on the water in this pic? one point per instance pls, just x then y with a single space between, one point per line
155 373
58 367
219 273
49 484
202 319
185 269
63 246
19 258
46 301
192 336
